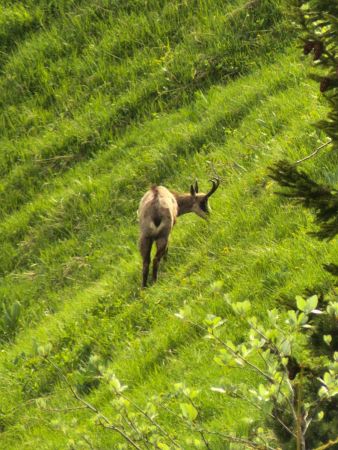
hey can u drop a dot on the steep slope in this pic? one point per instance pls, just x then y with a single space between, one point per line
99 102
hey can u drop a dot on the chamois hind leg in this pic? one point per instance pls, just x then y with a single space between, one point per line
165 256
145 248
161 245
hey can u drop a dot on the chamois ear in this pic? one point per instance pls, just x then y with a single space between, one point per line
194 189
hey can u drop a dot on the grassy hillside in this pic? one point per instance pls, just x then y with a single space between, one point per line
99 101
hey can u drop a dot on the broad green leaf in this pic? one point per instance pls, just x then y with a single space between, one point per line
320 415
311 303
327 339
301 303
188 411
292 318
285 361
241 307
273 315
272 390
327 378
285 347
271 334
277 376
244 350
252 321
302 319
332 309
323 392
262 391
193 393
213 321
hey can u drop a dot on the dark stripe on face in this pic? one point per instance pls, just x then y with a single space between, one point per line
204 205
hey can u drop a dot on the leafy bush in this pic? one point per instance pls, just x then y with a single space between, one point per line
298 388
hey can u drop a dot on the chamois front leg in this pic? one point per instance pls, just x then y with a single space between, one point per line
162 247
145 248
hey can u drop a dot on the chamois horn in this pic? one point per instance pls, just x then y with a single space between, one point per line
215 183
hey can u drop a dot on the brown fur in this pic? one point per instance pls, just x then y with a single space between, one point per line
158 211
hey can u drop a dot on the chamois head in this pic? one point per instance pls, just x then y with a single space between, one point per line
200 204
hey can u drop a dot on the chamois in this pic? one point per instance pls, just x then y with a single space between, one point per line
157 213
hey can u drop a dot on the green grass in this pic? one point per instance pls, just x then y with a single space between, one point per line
100 102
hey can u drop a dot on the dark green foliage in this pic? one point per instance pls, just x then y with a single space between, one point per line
321 35
319 20
322 199
332 268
